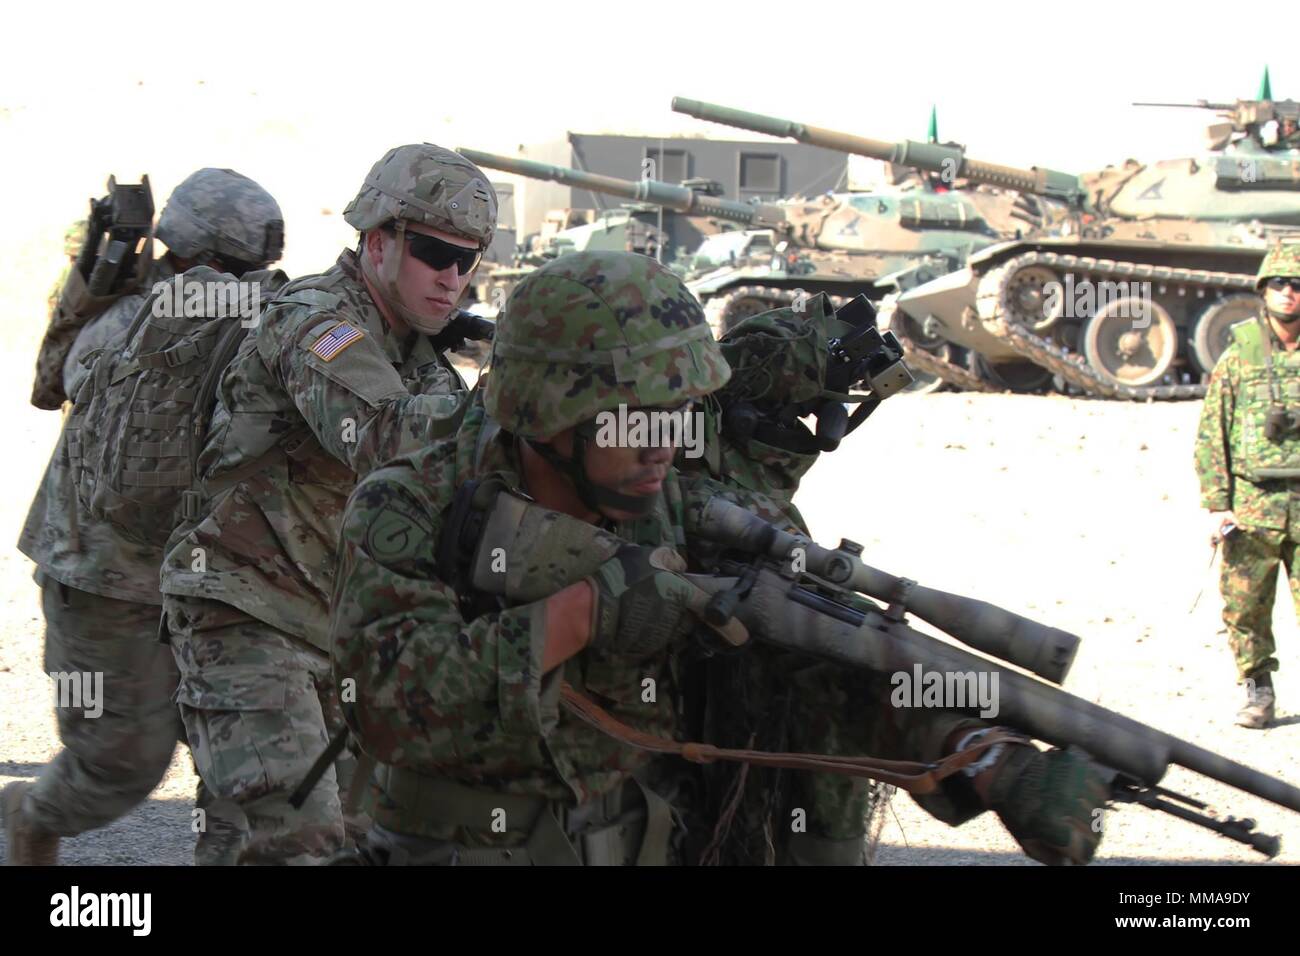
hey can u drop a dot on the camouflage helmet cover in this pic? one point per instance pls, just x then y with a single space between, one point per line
430 185
595 330
221 212
1282 259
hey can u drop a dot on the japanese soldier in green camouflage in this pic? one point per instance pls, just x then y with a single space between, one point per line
1248 463
99 590
344 371
457 694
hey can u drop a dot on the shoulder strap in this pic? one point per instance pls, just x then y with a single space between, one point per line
1266 338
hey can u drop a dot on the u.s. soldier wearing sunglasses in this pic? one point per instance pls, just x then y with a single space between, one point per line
333 382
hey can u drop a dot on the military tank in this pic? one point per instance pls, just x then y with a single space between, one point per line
1131 294
841 244
624 229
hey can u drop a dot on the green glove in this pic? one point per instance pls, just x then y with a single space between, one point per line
641 604
1048 800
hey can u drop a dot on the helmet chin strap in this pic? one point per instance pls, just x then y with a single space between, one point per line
594 496
1284 317
384 280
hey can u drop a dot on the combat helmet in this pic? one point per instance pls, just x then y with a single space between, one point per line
1282 259
220 213
590 332
426 184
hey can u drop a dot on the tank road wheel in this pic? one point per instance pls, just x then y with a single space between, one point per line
1131 341
1210 336
921 337
1027 301
1013 376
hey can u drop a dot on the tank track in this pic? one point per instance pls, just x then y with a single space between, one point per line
913 354
722 305
1073 368
918 358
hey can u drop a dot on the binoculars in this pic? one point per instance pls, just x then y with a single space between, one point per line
1281 423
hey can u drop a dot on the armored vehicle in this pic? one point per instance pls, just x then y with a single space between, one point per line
1132 293
625 229
842 244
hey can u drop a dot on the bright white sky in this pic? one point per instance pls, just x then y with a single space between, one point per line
304 99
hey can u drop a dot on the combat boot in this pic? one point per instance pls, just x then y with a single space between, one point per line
1260 703
29 845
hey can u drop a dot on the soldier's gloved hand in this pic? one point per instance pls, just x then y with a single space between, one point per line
641 604
1047 800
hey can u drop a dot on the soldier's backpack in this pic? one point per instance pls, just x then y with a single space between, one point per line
138 421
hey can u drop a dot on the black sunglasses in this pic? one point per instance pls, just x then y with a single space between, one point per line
439 254
1278 283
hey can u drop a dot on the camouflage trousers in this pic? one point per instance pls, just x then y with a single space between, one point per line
259 707
118 724
1248 583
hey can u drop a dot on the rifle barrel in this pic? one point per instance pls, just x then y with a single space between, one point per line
801 623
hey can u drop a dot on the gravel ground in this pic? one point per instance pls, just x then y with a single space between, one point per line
1081 514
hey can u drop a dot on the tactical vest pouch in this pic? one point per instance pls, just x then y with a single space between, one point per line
138 424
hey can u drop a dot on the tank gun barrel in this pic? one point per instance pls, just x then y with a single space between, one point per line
1198 105
679 198
949 161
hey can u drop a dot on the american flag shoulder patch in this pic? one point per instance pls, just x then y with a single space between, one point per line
329 345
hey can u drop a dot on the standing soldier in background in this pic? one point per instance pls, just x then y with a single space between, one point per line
99 591
344 371
1248 462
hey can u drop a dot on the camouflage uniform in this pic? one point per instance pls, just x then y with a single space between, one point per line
1258 478
321 393
72 240
467 722
71 311
100 589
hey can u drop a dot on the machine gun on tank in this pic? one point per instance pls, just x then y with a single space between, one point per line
1262 123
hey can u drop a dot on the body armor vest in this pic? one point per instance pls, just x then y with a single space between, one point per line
1266 429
